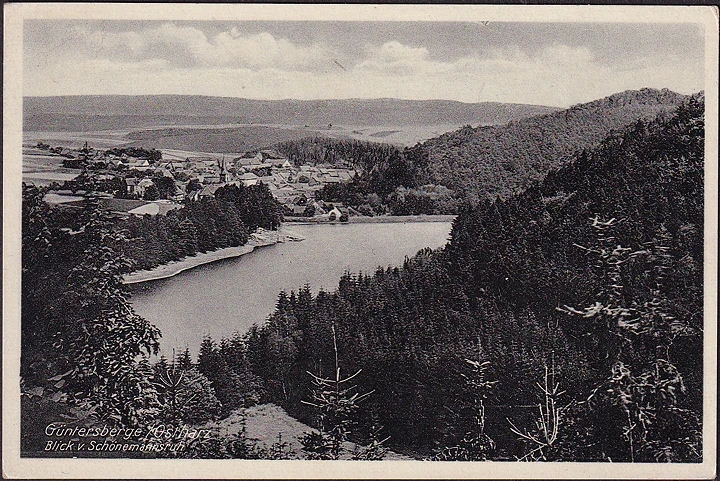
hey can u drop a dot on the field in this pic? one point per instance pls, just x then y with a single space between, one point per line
180 142
213 139
402 135
43 169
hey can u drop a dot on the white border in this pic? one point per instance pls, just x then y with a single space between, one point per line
15 467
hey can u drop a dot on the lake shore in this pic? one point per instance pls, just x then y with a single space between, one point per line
264 238
174 268
380 219
232 295
261 238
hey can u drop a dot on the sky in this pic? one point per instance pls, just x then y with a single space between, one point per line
558 64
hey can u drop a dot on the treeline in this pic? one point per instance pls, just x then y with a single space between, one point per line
325 150
563 323
199 226
485 162
390 180
473 164
152 155
402 200
210 223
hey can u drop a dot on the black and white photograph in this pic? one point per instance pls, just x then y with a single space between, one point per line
359 240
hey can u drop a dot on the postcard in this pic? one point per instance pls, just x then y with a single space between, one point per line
359 241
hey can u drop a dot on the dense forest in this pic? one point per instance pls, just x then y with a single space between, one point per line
473 164
563 323
502 160
324 150
210 223
85 353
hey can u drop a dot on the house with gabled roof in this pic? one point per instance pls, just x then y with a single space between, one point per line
142 186
209 190
248 179
279 163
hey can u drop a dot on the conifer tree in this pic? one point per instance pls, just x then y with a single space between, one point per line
543 436
184 393
639 327
336 403
475 444
184 359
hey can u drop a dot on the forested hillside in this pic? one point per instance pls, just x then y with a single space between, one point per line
473 164
200 226
325 150
562 323
73 260
85 356
501 160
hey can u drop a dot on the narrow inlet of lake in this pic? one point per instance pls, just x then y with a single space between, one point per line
231 295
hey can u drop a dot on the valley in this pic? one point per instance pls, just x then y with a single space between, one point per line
514 281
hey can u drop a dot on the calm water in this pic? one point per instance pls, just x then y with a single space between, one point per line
231 295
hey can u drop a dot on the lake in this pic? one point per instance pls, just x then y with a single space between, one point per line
233 294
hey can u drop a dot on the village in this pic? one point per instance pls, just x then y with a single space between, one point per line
132 180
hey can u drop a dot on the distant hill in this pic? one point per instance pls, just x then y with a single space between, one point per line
105 112
230 139
501 160
477 163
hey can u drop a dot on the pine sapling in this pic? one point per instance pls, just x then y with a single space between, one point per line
543 437
336 403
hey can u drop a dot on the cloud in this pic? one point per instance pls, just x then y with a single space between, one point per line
186 46
172 58
396 52
554 74
564 54
396 58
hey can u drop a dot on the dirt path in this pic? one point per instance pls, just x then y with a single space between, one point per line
265 424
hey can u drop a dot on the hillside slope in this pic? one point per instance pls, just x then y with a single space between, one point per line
87 113
594 275
501 160
268 424
473 164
